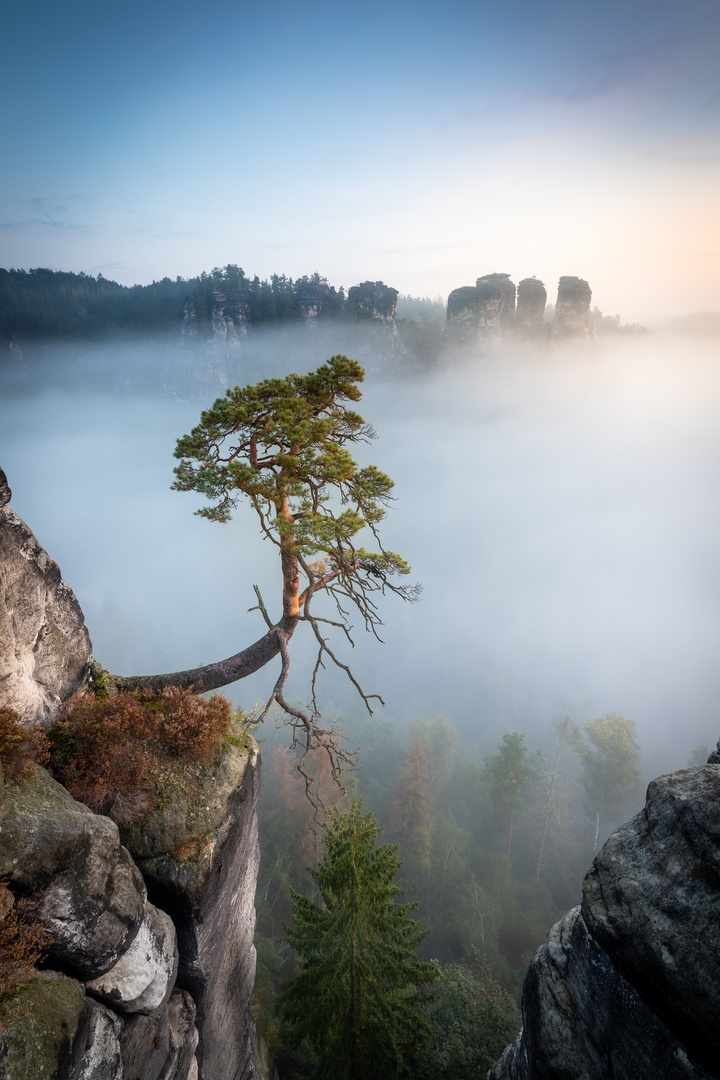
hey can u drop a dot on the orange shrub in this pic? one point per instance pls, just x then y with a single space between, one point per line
21 946
20 748
111 753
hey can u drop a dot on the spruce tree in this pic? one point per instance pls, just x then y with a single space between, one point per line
353 1010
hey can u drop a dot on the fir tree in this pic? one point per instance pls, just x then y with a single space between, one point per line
353 1010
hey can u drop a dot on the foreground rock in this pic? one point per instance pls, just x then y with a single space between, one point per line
200 862
628 985
132 974
45 649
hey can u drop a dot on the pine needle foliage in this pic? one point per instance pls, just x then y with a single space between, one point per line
353 1010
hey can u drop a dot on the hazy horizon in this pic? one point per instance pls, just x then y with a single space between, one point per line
401 143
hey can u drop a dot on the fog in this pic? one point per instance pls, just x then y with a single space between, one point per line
561 513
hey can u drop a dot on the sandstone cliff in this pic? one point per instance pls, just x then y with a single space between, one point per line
150 963
627 986
484 320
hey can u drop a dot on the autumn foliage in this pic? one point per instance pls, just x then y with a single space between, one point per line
21 748
112 753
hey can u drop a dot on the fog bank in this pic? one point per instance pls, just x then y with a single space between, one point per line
562 515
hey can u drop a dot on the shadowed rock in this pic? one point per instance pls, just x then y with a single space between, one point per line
530 315
79 879
628 987
461 323
571 324
200 863
495 306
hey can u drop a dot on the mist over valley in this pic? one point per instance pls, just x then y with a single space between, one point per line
559 511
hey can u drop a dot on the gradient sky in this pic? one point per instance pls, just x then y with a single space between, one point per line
420 143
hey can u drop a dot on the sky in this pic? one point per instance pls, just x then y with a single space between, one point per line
417 143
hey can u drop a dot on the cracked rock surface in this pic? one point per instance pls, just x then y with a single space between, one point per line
45 648
627 987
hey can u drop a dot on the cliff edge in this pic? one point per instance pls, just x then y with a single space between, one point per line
150 961
627 985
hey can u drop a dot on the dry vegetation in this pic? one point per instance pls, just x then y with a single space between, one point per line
21 748
117 753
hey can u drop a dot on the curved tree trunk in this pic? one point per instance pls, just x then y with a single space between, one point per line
222 672
250 660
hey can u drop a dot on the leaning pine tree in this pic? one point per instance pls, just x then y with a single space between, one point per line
282 446
353 1011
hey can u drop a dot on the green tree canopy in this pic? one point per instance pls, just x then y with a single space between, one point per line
610 758
282 445
353 1011
507 772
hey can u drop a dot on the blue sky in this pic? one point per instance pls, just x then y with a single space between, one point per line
420 143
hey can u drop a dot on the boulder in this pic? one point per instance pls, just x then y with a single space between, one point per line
101 1059
571 324
161 1045
627 987
44 1029
143 977
78 878
45 650
652 901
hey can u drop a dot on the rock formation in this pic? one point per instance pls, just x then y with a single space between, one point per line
530 314
45 649
495 308
372 304
483 320
479 317
311 296
627 986
152 959
571 324
461 325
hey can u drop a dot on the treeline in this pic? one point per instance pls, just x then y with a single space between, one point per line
494 846
40 303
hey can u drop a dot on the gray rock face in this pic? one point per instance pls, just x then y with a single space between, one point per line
571 324
652 896
495 306
71 865
45 649
378 342
461 325
161 1045
207 885
628 987
143 977
102 1059
48 1039
530 314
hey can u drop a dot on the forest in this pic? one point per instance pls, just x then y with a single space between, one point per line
41 304
492 849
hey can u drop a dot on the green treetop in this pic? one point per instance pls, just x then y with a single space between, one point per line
353 1011
283 446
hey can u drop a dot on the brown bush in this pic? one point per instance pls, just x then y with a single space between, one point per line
21 944
21 748
112 753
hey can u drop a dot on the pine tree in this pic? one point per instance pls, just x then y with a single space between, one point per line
352 1012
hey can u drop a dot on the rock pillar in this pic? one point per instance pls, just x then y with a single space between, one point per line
572 312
